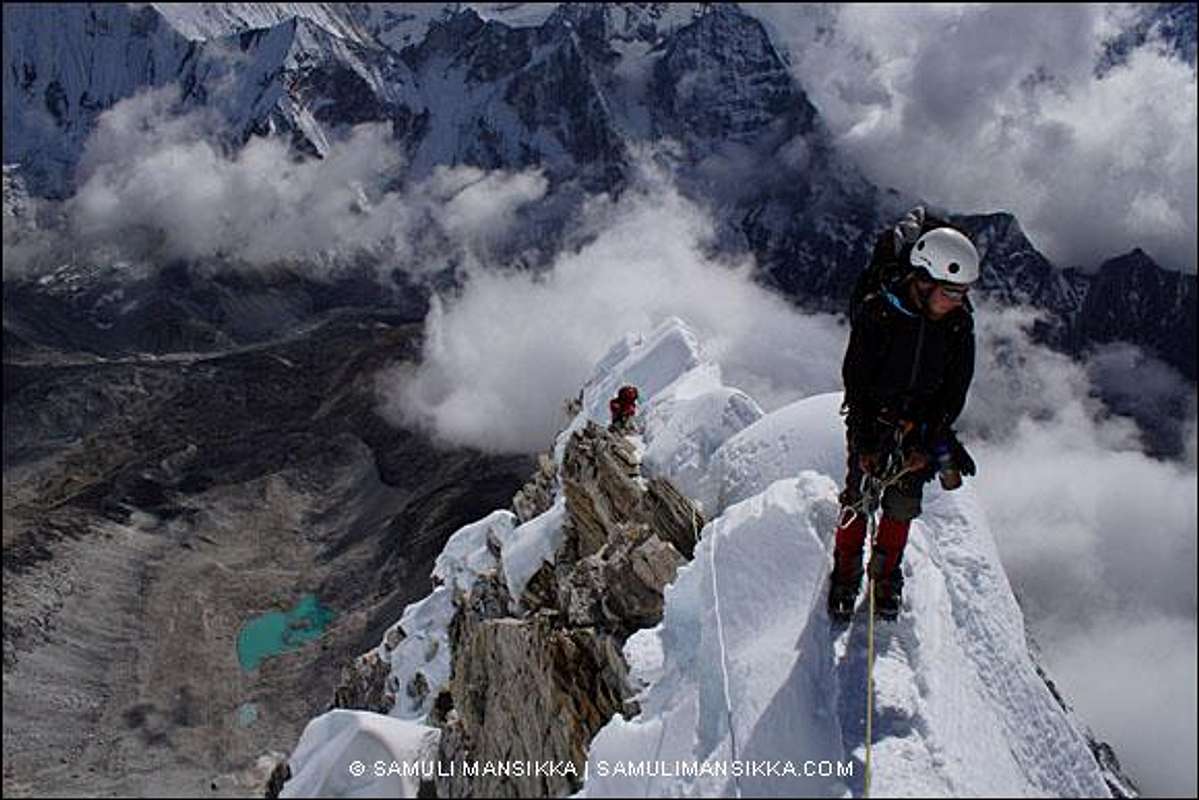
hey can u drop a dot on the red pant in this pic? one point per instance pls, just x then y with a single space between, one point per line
889 544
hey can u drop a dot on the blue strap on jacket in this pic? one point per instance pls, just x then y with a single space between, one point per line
895 301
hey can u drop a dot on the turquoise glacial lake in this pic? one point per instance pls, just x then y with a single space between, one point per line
278 632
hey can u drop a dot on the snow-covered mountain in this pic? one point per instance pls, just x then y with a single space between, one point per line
736 682
1130 298
257 384
1174 23
572 90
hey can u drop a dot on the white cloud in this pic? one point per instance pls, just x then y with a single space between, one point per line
480 206
985 107
1099 545
1014 378
157 183
503 355
1069 508
1138 693
1097 538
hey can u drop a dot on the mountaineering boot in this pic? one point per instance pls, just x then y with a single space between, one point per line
847 568
843 596
886 567
888 595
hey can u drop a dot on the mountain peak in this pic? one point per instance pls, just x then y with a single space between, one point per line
1134 259
207 21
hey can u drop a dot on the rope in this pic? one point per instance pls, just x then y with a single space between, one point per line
872 491
724 669
869 665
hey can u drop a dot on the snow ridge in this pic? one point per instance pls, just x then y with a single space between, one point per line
724 656
745 672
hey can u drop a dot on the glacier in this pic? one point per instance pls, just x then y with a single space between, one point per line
744 675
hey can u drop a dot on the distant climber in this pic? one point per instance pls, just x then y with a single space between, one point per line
623 407
907 369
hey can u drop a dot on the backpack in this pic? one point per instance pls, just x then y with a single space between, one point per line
888 265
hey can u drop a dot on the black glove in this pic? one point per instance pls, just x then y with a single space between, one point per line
961 458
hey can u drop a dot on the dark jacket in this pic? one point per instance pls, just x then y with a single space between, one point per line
900 365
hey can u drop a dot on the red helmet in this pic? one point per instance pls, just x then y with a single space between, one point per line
627 393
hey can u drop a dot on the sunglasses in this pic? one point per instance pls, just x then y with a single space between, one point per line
953 292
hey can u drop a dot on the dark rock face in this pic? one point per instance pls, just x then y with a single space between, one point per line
279 776
1129 299
1133 300
536 496
525 111
1174 23
178 310
560 94
526 690
720 79
537 684
51 104
363 686
1014 273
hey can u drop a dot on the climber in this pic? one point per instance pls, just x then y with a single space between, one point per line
623 407
907 369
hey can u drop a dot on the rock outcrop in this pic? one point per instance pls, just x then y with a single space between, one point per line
364 685
536 496
535 677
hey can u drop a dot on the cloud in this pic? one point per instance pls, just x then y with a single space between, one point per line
1099 546
156 182
1088 527
1014 378
990 107
1152 392
24 240
502 355
480 207
1097 538
1139 694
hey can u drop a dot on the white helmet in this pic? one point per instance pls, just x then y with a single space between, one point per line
947 255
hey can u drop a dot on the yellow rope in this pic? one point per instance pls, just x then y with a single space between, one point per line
880 486
869 684
869 663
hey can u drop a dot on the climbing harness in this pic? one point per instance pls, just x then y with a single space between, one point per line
872 487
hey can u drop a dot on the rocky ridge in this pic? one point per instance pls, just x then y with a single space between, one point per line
534 676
